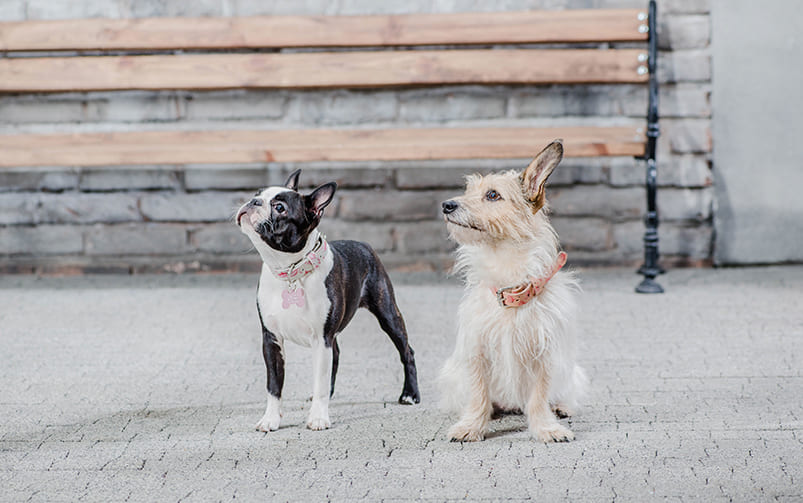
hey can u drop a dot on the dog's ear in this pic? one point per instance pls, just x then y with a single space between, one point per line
534 178
321 197
292 180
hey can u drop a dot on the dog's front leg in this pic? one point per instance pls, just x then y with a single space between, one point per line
321 375
273 354
543 423
473 423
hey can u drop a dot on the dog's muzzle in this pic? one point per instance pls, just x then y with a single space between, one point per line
244 210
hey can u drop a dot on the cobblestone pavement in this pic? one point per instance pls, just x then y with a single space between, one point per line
147 389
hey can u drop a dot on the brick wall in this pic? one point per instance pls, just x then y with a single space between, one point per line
180 218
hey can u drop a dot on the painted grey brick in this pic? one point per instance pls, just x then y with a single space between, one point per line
591 234
378 235
431 175
137 239
597 201
69 9
685 204
684 66
253 177
684 32
581 170
341 107
674 239
450 174
172 8
196 207
38 109
18 208
423 237
13 10
234 105
437 105
694 242
41 240
628 238
129 178
685 100
76 207
71 207
353 7
685 7
384 205
262 8
585 100
220 238
50 179
139 106
677 171
690 136
222 177
346 175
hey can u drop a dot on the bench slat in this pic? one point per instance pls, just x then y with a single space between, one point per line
311 70
203 147
581 25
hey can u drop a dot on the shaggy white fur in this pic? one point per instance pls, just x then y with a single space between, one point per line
511 357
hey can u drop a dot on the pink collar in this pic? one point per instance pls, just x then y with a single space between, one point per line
306 265
517 296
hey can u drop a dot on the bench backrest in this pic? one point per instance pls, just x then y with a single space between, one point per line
274 52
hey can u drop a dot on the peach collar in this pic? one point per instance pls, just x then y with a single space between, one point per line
518 295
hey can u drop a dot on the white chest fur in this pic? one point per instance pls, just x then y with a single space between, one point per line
301 325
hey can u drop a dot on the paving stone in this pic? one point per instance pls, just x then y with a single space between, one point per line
159 381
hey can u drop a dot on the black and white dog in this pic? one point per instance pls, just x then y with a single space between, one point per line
310 289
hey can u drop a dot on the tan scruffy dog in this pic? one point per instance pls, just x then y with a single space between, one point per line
515 345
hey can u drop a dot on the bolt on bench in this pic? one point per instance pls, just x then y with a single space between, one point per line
294 52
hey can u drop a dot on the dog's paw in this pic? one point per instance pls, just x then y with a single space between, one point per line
554 433
462 432
269 422
318 423
409 399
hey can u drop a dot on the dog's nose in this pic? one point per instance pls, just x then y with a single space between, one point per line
255 202
449 207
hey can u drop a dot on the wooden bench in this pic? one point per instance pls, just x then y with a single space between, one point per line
293 52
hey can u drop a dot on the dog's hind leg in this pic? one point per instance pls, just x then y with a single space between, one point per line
380 300
335 362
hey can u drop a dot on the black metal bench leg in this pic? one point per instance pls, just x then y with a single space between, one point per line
651 269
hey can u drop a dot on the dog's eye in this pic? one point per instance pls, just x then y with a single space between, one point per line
279 207
493 195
